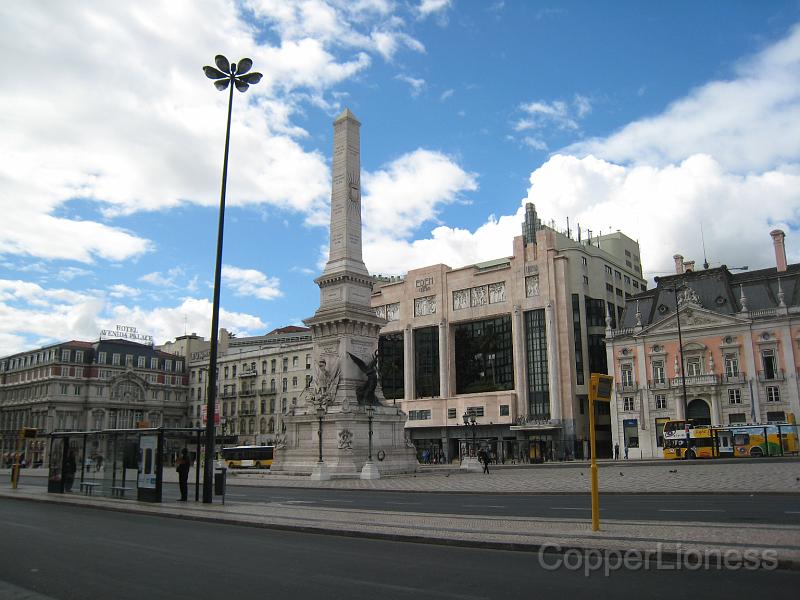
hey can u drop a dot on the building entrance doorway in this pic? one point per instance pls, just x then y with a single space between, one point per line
699 412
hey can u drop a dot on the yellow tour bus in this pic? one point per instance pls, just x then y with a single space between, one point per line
248 457
683 439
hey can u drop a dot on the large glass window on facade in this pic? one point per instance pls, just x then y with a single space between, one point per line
536 354
595 312
426 362
390 350
484 356
576 326
597 353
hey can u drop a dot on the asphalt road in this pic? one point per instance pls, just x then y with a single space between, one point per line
716 508
68 552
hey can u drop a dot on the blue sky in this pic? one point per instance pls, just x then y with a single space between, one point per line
650 118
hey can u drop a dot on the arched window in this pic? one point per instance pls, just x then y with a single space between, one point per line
262 426
272 426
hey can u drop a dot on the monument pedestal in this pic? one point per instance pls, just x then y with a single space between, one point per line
345 444
471 463
370 471
320 472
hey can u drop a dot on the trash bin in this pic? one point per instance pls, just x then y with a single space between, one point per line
219 482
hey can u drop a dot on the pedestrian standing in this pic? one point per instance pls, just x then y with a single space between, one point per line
182 466
70 466
626 451
616 451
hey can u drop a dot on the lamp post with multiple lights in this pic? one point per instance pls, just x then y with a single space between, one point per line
226 75
469 421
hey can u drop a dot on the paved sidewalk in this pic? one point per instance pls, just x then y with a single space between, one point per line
624 477
531 534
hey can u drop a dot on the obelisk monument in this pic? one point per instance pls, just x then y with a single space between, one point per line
336 412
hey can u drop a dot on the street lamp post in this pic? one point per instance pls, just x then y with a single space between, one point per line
320 415
370 414
469 421
234 75
675 289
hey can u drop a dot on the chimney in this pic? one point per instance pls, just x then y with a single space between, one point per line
688 266
678 264
780 249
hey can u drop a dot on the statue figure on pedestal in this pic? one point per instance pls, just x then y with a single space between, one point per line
366 391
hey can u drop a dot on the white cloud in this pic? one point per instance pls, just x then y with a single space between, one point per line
750 122
417 85
446 94
540 115
429 7
120 290
32 315
165 280
152 139
70 273
250 282
706 159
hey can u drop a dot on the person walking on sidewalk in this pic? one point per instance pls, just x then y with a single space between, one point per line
616 451
182 466
483 457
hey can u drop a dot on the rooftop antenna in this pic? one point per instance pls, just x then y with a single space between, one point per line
185 321
579 233
568 232
703 241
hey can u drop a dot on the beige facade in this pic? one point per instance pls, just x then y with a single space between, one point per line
740 336
89 386
543 308
259 379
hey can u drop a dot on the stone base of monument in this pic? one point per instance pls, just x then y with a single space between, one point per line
320 472
345 443
471 463
370 471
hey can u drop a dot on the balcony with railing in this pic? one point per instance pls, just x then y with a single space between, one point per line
248 373
734 378
249 392
774 375
658 384
626 387
267 392
706 379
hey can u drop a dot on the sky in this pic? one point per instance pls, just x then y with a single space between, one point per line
658 119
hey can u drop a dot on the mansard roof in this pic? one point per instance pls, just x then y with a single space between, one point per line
716 290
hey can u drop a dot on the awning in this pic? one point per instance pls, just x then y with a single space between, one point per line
536 427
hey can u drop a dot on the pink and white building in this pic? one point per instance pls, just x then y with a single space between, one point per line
740 336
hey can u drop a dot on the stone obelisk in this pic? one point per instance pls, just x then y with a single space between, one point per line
345 335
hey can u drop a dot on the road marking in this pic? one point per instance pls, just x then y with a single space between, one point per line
569 508
689 510
339 501
299 502
792 512
402 502
482 506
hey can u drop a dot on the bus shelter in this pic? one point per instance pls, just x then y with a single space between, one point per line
121 463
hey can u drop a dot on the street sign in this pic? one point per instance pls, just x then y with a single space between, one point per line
204 414
600 387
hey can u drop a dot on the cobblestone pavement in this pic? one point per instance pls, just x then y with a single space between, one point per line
614 477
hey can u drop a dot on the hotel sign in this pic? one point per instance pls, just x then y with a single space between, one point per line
424 284
126 332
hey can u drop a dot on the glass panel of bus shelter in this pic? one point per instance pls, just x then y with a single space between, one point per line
55 483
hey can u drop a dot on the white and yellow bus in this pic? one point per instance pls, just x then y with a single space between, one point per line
248 457
683 439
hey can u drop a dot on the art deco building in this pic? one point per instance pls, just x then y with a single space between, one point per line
79 386
741 351
511 341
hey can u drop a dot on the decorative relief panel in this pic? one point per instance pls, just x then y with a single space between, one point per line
424 306
390 312
497 292
478 296
460 299
531 286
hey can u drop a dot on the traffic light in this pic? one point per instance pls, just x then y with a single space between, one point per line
600 387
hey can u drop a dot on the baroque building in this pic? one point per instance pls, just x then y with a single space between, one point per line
85 386
737 358
511 341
